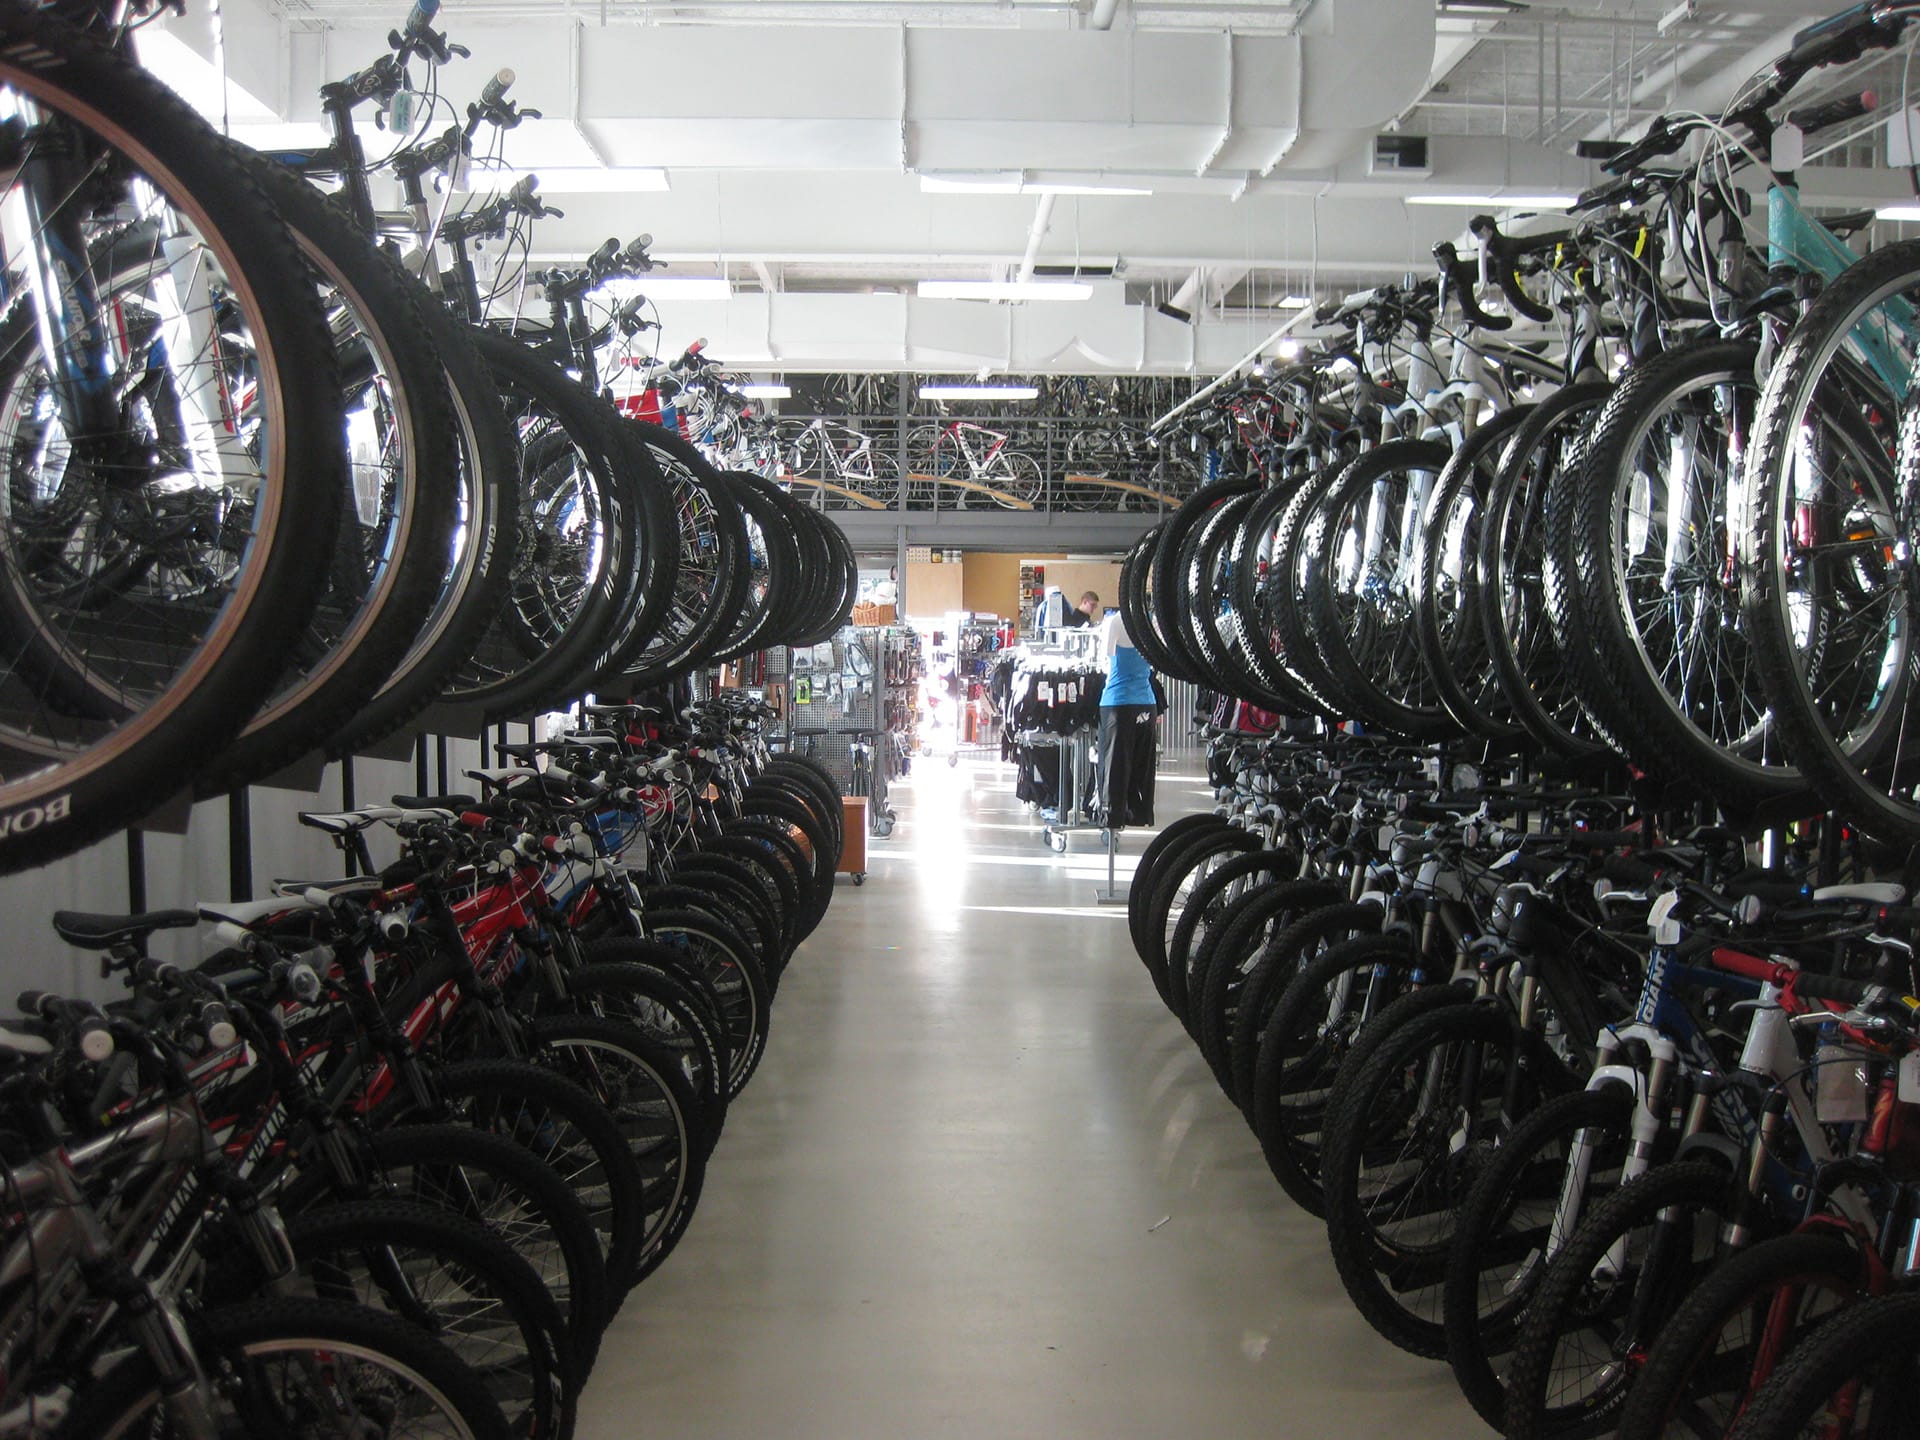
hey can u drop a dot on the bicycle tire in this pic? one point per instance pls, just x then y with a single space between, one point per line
1692 1189
129 1399
57 802
356 658
1475 1333
1688 1355
1874 1342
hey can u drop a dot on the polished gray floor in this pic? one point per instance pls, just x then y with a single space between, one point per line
982 1186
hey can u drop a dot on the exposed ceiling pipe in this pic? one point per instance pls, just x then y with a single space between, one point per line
1299 319
1101 16
1042 218
1182 299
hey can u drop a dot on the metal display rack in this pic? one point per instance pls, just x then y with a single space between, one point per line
841 723
968 652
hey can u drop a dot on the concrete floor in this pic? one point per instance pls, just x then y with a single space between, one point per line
983 1186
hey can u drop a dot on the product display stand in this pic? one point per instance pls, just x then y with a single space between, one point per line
1113 894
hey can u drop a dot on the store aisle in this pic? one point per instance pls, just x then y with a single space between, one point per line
982 1188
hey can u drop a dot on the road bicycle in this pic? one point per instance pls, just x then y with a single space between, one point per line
974 463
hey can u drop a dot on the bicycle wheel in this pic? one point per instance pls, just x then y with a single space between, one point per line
708 582
1506 1235
398 527
569 1132
458 1283
578 556
1644 540
1254 556
1016 475
1406 1137
1859 1378
478 566
170 510
1357 568
1619 1279
772 558
1511 573
1834 482
1731 1335
1453 639
300 1369
1232 952
1334 1014
1286 955
652 1102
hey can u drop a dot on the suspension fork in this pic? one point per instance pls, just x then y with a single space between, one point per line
45 236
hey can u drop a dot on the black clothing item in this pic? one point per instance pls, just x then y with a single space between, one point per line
1127 764
1075 619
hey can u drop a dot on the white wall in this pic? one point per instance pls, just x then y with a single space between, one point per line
183 870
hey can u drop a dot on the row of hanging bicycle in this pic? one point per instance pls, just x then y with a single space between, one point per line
1562 955
275 485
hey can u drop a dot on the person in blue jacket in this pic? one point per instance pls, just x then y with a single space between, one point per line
1128 706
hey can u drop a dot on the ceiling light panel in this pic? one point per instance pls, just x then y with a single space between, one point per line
1004 290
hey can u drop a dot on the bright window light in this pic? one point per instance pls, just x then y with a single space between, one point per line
1908 210
767 392
1498 202
670 287
1296 302
979 392
1287 349
1005 290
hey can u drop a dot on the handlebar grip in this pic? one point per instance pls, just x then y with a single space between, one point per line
420 17
1810 118
81 1016
1839 988
605 255
495 90
297 978
1838 37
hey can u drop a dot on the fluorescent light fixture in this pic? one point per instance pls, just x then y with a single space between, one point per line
767 392
1498 202
670 287
1007 183
1296 302
1013 182
1005 290
1906 210
979 392
1039 188
600 180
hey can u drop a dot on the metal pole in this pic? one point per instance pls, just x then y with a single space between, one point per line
239 845
136 870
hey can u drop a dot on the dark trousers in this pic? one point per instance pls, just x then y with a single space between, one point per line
1127 764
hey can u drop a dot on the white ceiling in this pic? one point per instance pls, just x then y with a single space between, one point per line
795 134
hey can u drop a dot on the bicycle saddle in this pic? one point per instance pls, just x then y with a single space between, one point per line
352 885
454 802
90 931
247 913
347 822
